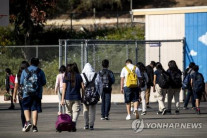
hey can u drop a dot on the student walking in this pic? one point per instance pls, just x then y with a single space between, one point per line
150 74
33 80
92 91
18 90
175 86
186 81
198 86
129 87
107 78
72 83
143 85
161 84
59 85
9 82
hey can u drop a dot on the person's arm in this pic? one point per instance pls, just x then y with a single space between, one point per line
57 83
43 78
112 78
7 83
99 84
154 82
16 85
63 94
83 91
122 84
191 82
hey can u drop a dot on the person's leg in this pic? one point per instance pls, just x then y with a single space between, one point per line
60 99
128 100
34 117
86 115
187 98
193 99
147 96
69 105
22 113
12 101
128 107
76 107
176 97
107 103
103 110
143 101
160 97
169 98
92 111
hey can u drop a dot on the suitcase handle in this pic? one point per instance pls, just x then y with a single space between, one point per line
62 108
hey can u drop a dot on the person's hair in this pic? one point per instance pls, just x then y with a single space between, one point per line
105 63
159 66
70 74
153 63
8 70
35 61
191 64
196 68
62 69
23 66
141 67
75 68
172 65
129 61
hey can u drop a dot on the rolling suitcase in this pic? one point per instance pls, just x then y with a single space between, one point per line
64 122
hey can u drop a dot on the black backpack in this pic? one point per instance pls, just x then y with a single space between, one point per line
91 96
105 78
198 83
186 81
164 80
176 79
142 81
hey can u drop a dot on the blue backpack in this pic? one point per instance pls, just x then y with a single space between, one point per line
186 81
198 83
31 86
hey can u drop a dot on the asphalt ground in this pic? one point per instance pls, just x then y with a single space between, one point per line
160 126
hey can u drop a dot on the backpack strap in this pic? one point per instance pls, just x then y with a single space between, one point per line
127 69
94 77
86 78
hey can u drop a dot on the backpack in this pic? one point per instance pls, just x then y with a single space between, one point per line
91 96
105 78
164 80
132 78
176 79
142 81
31 85
198 83
11 81
186 81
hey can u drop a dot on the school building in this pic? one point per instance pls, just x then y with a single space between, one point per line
188 23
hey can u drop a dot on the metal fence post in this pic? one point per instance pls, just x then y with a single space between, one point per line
136 51
65 52
37 52
86 51
82 54
127 51
159 51
60 53
94 56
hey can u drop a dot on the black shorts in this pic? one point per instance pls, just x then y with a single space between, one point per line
197 95
32 104
131 94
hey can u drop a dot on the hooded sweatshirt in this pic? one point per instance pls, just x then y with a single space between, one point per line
89 71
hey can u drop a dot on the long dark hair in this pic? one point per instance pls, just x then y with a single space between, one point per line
75 67
172 65
62 69
23 66
159 66
141 67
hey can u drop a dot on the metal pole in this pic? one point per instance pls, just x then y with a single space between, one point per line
159 51
82 58
184 51
94 57
71 22
131 1
94 17
65 52
136 51
60 53
86 51
127 51
117 16
37 52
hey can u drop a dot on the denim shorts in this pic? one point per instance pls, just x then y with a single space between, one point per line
131 94
32 104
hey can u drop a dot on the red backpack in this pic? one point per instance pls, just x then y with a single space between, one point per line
11 81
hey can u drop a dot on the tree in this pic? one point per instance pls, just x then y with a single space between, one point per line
28 17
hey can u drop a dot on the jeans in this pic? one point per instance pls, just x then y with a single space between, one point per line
106 102
189 94
22 113
176 94
60 99
89 109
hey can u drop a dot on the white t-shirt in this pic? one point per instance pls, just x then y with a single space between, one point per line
124 72
16 79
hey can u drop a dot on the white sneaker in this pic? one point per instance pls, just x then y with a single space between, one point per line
136 114
128 117
132 109
23 129
139 109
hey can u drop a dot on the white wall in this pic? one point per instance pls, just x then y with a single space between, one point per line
165 27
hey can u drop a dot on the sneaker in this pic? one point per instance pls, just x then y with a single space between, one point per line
74 127
143 113
136 114
159 113
177 112
27 126
185 108
102 118
128 117
164 111
86 127
23 129
91 128
198 111
132 109
106 118
34 129
194 108
139 109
